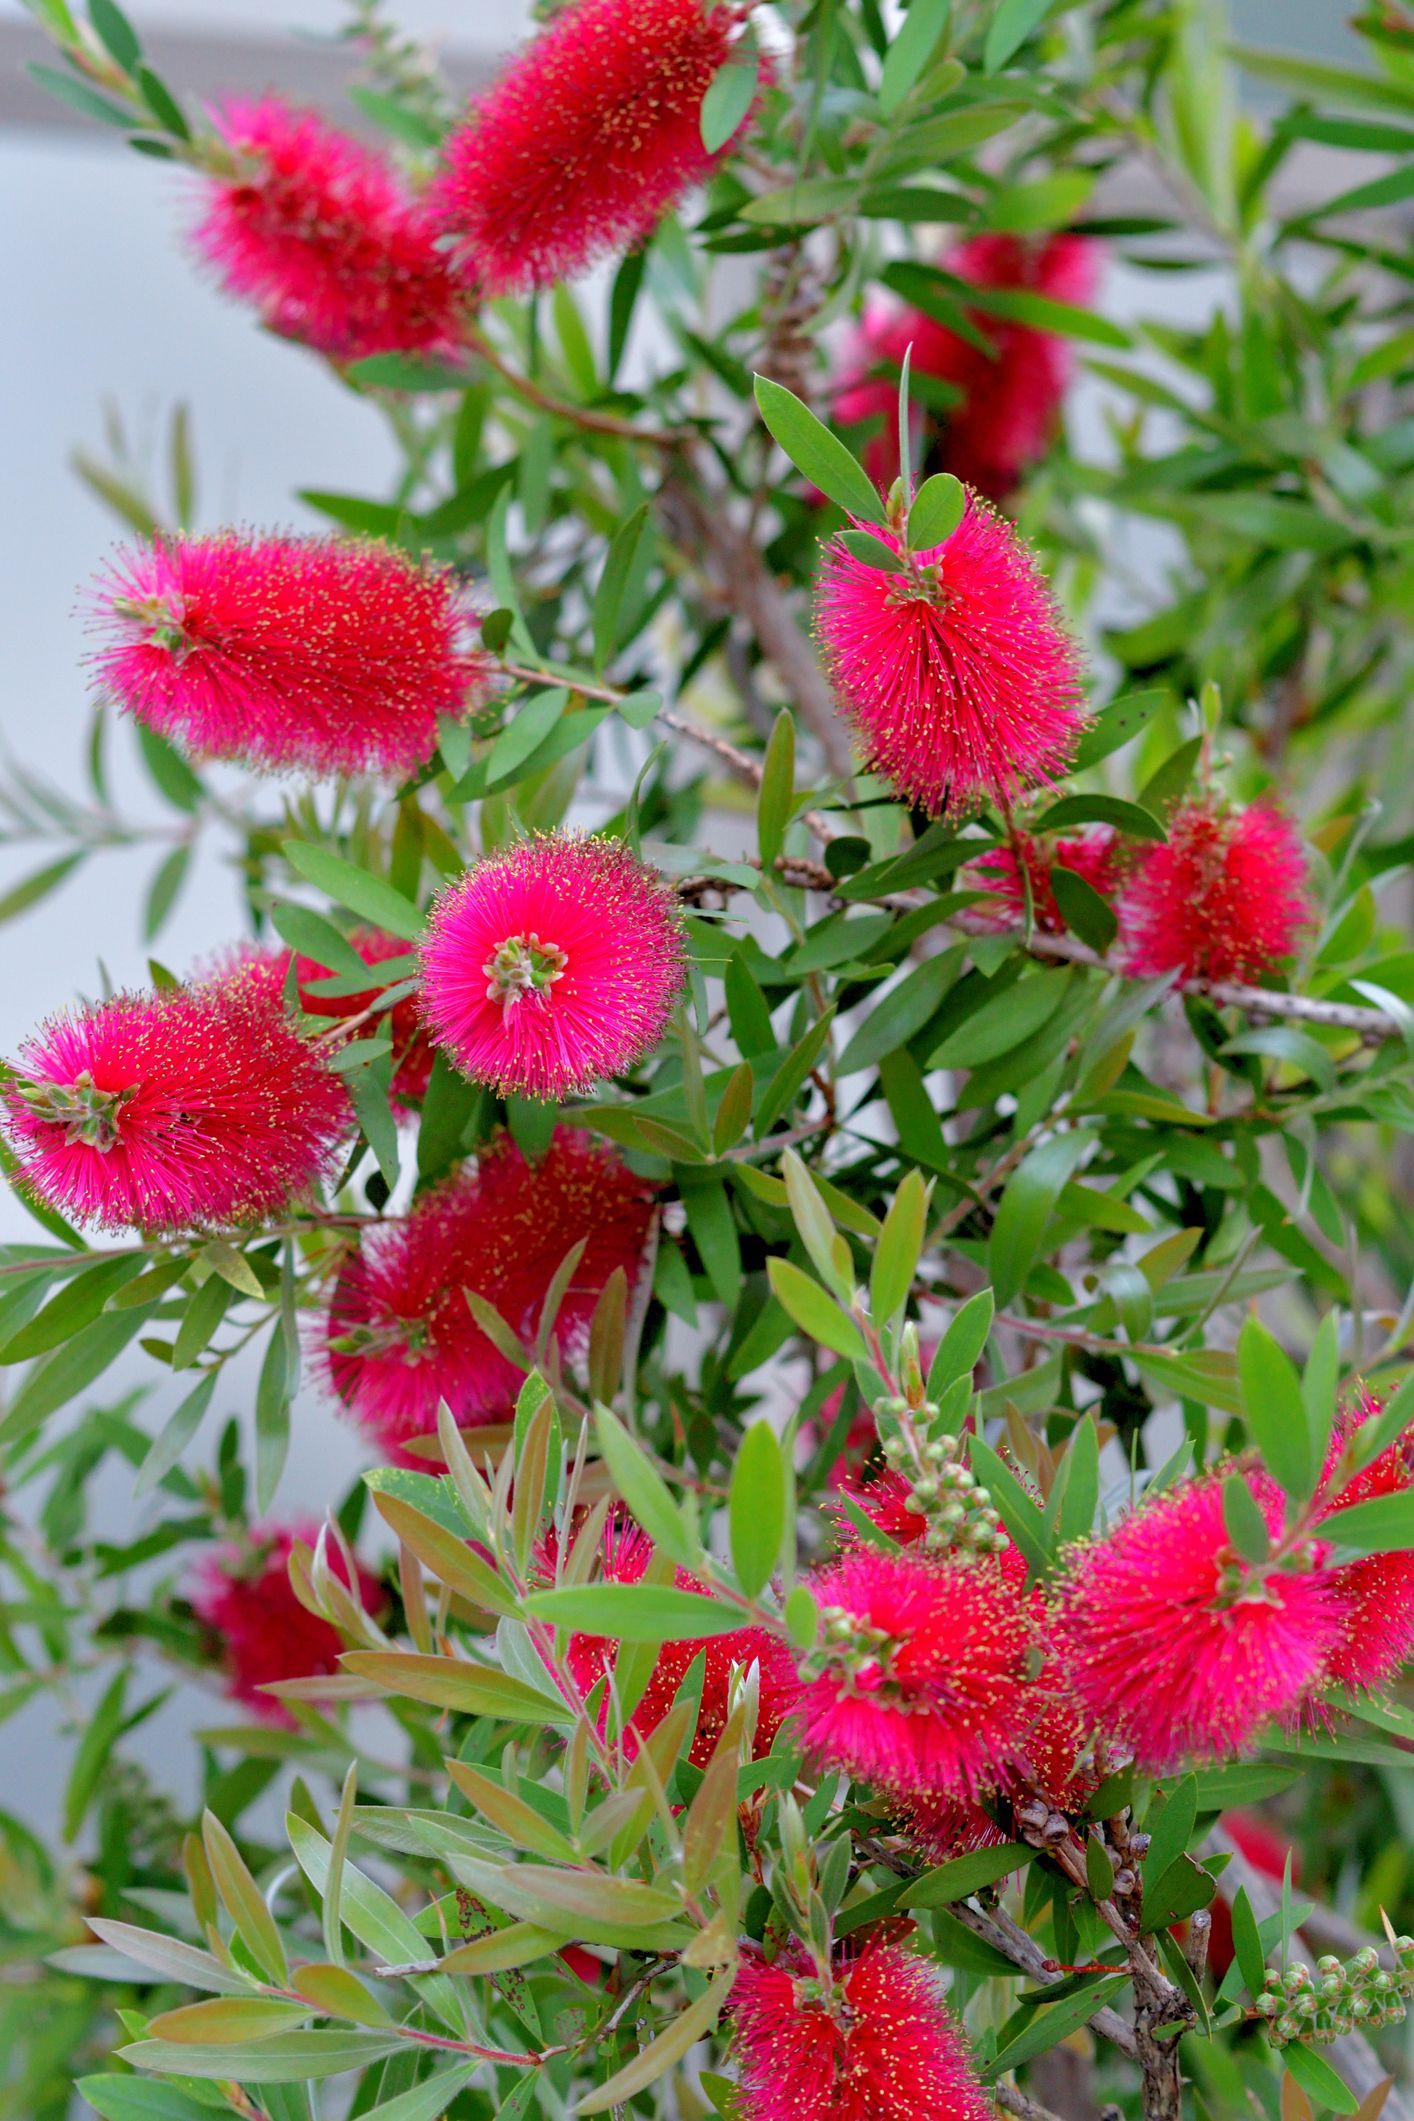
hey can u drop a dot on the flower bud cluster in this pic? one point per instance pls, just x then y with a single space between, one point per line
945 1492
1343 1995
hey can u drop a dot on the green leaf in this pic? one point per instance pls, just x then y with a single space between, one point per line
79 96
532 721
37 885
1274 1410
966 1875
801 204
756 1507
894 1019
368 896
1119 724
643 1489
619 564
458 1683
913 46
775 798
1247 1943
272 1418
427 2101
1077 1491
171 1958
116 33
58 1377
100 1730
447 1554
872 551
1009 28
821 456
176 1433
133 2099
1318 2079
636 1612
960 1348
1383 1525
1085 912
681 2034
816 1314
288 2058
1003 1021
1023 1520
1026 1207
897 1252
785 1085
1171 1829
939 503
1243 1519
1099 1870
1055 2022
243 1901
1131 818
77 1302
222 2018
730 95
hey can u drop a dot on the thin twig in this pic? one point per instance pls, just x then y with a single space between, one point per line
599 423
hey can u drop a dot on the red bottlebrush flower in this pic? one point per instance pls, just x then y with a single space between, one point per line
1008 401
884 1501
930 1689
551 965
588 138
1174 1646
1225 899
1052 1759
316 231
870 2042
1094 858
244 1596
200 1107
626 1554
1375 1595
412 1049
399 1336
322 655
961 682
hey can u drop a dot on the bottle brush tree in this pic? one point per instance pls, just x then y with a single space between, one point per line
818 1061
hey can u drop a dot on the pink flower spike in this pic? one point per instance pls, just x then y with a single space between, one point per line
931 1688
197 1108
1226 899
315 230
627 1551
1009 399
400 1336
1174 1646
590 136
1374 1597
961 682
872 2042
243 1594
552 965
318 655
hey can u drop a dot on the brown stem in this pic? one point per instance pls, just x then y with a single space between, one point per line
997 1929
599 423
1013 2101
744 585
